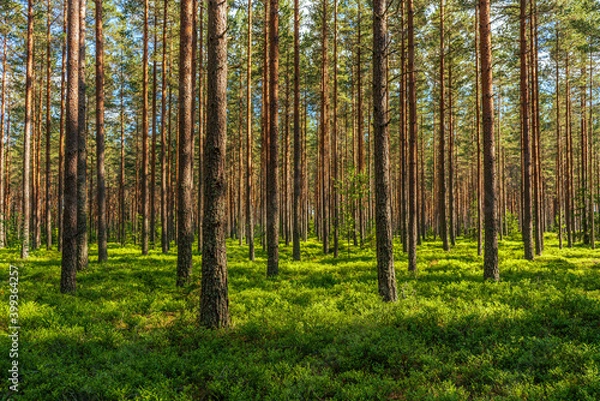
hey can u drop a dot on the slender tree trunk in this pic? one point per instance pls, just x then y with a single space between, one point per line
48 208
123 216
411 238
26 219
101 188
490 264
201 125
535 130
297 135
82 231
359 129
214 305
526 147
442 140
185 232
61 139
568 176
559 164
249 143
154 136
478 129
164 230
2 150
325 128
69 251
145 193
272 169
335 134
451 165
591 183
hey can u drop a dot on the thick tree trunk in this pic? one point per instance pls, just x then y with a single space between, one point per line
185 231
272 168
490 264
214 308
69 252
385 251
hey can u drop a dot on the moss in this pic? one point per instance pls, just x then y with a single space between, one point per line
317 331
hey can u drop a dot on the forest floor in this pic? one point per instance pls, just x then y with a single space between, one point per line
317 331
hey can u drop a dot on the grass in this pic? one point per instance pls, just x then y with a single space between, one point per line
318 331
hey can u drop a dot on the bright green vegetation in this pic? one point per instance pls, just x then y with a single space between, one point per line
318 331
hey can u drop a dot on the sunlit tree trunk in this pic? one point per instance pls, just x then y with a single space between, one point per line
185 233
272 168
69 252
101 187
214 303
82 195
490 264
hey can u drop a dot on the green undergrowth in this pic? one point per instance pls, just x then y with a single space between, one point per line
318 331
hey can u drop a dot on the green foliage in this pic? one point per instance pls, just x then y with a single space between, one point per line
317 331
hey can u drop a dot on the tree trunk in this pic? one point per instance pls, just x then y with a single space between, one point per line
185 232
69 251
385 251
48 203
478 129
214 308
27 135
526 147
82 196
2 150
201 125
61 139
325 139
249 143
490 264
443 227
272 168
335 134
411 238
145 195
297 135
559 164
101 187
451 164
164 230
